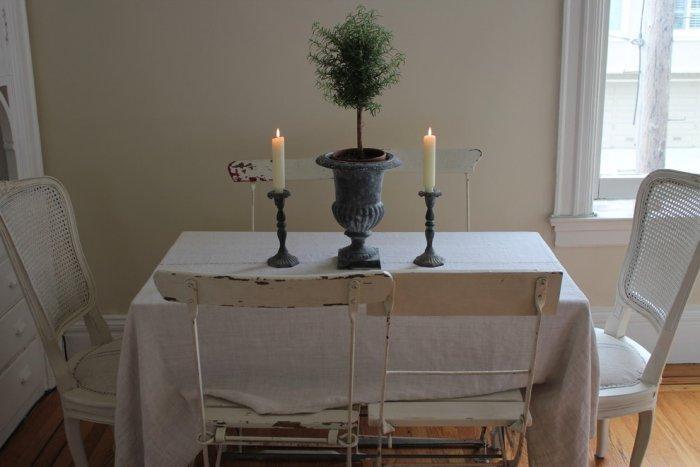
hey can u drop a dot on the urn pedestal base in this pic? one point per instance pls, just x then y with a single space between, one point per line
357 255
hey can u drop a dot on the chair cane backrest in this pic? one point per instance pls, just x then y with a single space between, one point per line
664 241
662 259
39 230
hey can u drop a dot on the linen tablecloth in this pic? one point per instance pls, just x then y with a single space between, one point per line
286 361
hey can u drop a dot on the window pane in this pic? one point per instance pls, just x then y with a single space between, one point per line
616 15
620 126
679 14
694 22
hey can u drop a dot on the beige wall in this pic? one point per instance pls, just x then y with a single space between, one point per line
142 105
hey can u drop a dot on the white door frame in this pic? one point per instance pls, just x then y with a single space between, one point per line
22 142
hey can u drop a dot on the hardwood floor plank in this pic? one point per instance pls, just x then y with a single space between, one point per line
52 449
102 454
64 458
40 439
25 445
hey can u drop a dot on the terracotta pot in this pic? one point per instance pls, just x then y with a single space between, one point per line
368 155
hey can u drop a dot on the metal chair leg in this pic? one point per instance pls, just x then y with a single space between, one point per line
219 452
205 456
602 438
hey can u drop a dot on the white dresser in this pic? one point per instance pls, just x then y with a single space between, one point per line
23 368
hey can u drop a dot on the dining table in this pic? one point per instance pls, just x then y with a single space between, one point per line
285 361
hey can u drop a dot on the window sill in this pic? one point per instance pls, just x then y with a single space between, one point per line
611 226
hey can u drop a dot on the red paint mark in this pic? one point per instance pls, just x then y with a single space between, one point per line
238 172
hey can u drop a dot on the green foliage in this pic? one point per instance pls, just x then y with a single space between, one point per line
355 61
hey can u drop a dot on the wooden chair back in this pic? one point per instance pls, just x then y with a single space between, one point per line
252 171
476 293
290 291
472 293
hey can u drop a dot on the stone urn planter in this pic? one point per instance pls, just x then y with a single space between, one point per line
358 204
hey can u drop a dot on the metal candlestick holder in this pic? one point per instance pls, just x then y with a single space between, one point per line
429 259
282 259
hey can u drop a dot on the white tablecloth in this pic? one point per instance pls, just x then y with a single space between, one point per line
279 361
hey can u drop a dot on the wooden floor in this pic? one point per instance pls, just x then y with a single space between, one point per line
40 439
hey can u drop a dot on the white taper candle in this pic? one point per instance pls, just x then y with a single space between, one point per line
278 181
429 161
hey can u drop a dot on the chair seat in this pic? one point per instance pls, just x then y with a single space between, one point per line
230 414
622 361
95 369
498 409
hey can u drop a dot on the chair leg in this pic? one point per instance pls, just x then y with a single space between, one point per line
75 441
219 453
602 438
205 456
641 441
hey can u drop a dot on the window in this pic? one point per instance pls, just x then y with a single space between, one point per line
686 14
615 15
620 172
611 98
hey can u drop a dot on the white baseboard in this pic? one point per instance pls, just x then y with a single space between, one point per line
683 350
77 338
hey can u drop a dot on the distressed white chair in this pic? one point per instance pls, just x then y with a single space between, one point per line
469 294
38 228
457 161
659 270
276 292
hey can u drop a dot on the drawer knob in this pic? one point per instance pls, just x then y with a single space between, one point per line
24 376
20 327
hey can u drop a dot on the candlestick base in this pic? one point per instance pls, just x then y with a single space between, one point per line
429 259
282 259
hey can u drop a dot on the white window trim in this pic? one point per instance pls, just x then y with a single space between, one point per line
25 146
611 226
581 97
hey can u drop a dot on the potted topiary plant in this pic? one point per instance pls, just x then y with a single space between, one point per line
355 62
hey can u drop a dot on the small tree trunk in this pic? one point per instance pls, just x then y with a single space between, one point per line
654 85
359 131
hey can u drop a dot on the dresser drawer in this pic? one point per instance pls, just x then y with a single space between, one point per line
16 331
10 291
21 381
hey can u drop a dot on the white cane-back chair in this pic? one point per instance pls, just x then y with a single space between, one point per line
38 228
456 161
532 294
659 270
276 292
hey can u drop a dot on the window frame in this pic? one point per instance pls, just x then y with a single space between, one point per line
581 99
22 141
